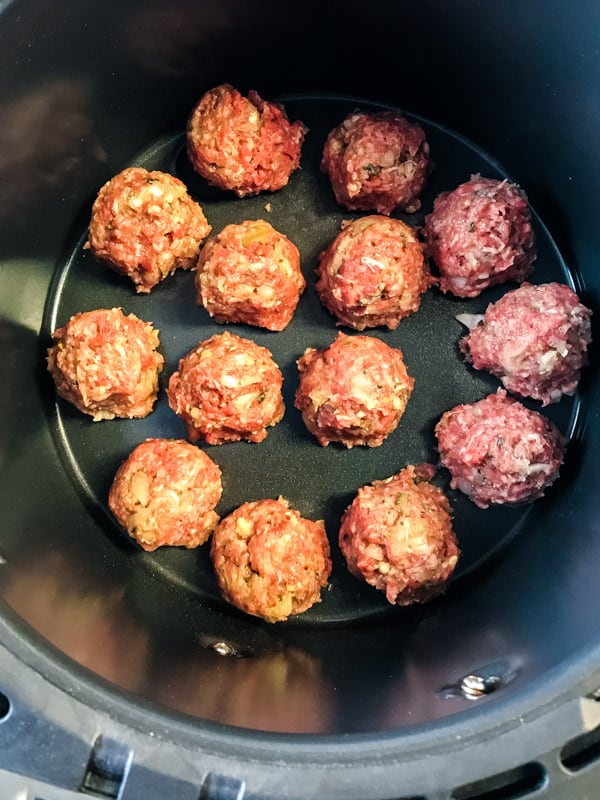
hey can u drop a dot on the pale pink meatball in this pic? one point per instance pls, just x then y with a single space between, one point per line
107 364
354 392
480 235
397 536
377 162
145 225
250 273
165 493
227 389
243 144
270 561
373 273
498 451
534 339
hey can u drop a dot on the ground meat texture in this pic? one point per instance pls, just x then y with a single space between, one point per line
397 535
107 364
354 392
498 451
250 273
165 493
243 144
377 162
373 273
534 339
227 389
270 561
145 225
479 235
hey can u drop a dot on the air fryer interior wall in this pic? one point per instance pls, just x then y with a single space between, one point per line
83 92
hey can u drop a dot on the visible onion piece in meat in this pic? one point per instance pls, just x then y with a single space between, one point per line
470 321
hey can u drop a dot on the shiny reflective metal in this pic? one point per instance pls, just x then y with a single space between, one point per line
226 649
482 681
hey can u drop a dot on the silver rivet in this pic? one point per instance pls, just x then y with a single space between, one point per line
226 649
481 682
474 686
223 649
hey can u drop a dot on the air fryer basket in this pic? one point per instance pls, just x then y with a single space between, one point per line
124 673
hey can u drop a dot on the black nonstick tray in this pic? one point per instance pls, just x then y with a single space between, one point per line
319 482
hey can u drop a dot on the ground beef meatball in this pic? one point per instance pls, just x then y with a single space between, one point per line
534 339
106 364
397 535
246 145
270 561
498 451
250 273
479 235
165 493
227 389
354 392
145 225
377 162
373 273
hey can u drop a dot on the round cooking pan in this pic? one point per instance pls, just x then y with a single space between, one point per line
124 673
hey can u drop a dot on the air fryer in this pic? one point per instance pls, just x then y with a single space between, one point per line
125 673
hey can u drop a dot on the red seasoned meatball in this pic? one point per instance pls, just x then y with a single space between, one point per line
250 273
145 225
534 339
353 392
498 451
165 493
226 389
377 162
397 535
244 144
270 561
373 273
106 364
479 235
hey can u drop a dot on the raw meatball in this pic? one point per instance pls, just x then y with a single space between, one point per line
270 561
246 145
250 273
397 535
498 451
377 161
534 339
227 388
145 226
165 493
480 235
354 392
373 273
106 364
